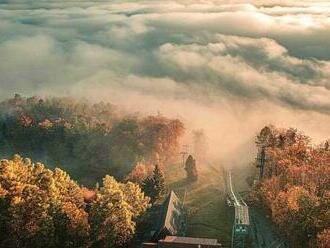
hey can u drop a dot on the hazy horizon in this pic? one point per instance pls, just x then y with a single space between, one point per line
229 67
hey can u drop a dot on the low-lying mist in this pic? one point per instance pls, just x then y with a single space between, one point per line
229 124
226 67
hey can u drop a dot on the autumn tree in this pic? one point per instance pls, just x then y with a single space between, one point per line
154 186
323 238
40 207
160 136
113 213
295 188
138 174
91 139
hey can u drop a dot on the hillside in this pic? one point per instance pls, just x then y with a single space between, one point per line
205 200
86 139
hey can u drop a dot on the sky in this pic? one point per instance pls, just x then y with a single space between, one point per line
229 67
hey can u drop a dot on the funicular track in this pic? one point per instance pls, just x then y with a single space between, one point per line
242 220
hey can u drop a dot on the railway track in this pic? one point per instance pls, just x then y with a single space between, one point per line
242 219
250 228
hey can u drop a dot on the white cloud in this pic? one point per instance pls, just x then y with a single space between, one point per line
248 54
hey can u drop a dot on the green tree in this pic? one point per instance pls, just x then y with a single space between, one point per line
154 186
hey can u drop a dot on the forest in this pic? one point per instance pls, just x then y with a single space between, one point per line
114 113
102 148
120 157
294 187
42 208
88 140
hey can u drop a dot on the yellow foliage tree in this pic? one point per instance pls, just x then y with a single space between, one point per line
40 207
323 238
113 212
45 208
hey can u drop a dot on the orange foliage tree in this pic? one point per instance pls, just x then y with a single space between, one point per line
296 184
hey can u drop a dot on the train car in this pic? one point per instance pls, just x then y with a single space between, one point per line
240 232
242 220
240 235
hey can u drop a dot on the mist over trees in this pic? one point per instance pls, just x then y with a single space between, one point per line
200 144
295 188
88 140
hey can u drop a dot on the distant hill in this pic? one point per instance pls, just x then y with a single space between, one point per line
88 140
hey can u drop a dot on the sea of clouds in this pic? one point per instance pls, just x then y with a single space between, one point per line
227 66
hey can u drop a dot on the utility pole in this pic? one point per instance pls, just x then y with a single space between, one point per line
184 153
261 161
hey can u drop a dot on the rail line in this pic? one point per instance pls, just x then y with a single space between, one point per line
233 195
242 220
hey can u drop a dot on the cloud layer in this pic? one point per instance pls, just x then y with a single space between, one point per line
265 61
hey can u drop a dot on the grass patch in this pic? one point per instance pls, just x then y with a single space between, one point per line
208 215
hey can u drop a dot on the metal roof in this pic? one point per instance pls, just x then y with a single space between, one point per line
189 240
172 215
242 215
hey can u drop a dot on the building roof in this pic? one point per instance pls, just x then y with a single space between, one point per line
149 245
172 214
242 215
189 240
